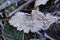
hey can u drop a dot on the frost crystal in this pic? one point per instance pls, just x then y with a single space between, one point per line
34 21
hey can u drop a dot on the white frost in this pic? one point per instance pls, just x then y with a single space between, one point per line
39 2
34 21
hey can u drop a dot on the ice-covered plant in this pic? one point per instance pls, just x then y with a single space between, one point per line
34 21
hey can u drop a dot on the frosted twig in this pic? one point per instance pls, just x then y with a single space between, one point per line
48 36
21 7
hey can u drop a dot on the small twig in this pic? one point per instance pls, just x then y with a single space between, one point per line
35 4
21 7
4 18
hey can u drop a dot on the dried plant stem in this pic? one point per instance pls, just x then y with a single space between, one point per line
35 5
4 18
21 7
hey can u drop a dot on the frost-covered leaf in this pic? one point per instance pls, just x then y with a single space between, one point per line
34 21
10 33
39 2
